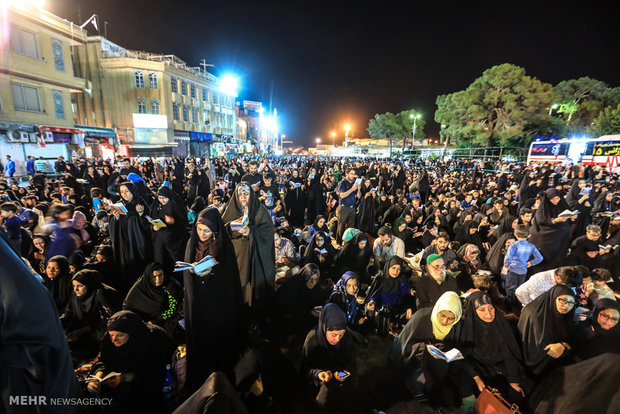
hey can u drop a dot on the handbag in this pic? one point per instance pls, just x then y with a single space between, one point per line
490 401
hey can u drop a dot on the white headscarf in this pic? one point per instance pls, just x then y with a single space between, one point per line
449 301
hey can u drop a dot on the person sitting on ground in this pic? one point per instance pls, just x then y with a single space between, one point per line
543 281
345 296
328 362
387 246
440 246
601 331
434 282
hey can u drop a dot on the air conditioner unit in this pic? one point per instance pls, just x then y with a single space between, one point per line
24 137
34 138
48 136
13 136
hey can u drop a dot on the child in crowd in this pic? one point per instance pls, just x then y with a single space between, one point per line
517 261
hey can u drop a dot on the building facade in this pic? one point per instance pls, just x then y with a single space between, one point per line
157 103
37 84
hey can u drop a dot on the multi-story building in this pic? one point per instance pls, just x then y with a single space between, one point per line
37 81
157 103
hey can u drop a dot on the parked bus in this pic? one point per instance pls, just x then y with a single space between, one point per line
601 151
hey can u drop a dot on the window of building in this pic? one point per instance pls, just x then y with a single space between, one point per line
175 111
174 85
25 98
59 59
185 113
205 95
24 42
155 106
195 115
139 76
192 89
216 98
153 80
59 106
184 88
207 116
141 105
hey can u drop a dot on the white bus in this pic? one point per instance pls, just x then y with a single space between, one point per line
602 151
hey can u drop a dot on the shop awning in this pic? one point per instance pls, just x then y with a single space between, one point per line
154 146
96 132
59 130
14 126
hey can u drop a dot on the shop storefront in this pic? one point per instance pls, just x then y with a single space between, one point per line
99 142
181 138
200 144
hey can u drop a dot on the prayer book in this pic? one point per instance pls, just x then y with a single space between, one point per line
255 185
585 191
295 185
156 222
358 181
240 223
606 248
449 356
92 378
320 251
199 267
568 213
118 208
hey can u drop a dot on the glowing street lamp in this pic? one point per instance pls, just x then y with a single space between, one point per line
318 141
229 85
347 128
413 128
333 138
554 106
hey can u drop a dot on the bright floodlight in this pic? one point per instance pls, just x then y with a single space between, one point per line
318 140
347 127
228 85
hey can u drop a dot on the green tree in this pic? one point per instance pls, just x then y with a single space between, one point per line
384 126
495 108
406 118
581 101
608 122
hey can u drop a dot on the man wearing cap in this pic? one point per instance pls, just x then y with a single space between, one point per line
434 282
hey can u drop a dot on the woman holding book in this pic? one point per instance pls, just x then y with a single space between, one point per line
131 236
170 232
213 307
491 351
320 252
425 374
251 230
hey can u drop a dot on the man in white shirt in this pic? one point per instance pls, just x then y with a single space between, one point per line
543 281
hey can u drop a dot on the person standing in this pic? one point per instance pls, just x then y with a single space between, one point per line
9 168
347 190
30 168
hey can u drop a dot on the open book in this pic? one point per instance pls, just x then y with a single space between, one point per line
607 248
320 251
295 185
199 267
358 181
156 222
568 213
240 223
117 207
449 356
92 378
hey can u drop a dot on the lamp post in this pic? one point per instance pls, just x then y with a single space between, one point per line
347 128
415 118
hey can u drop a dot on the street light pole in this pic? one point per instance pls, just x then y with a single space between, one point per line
415 118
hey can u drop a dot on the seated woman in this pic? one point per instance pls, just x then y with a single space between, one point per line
86 234
37 260
403 232
318 225
157 299
355 256
58 280
424 374
104 264
469 264
600 332
320 252
327 360
389 296
139 353
490 348
296 296
86 316
547 329
345 296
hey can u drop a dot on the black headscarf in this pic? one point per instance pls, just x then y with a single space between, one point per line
603 304
145 298
489 343
209 247
60 287
541 324
332 319
391 284
92 280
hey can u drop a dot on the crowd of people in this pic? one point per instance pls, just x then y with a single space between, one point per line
261 284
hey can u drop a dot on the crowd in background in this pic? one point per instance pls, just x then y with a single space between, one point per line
313 258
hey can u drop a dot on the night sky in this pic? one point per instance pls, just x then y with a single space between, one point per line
325 64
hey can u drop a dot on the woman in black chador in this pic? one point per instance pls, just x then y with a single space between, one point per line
130 236
254 245
169 241
214 317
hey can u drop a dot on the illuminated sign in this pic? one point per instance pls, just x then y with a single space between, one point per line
607 148
150 121
550 150
200 137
